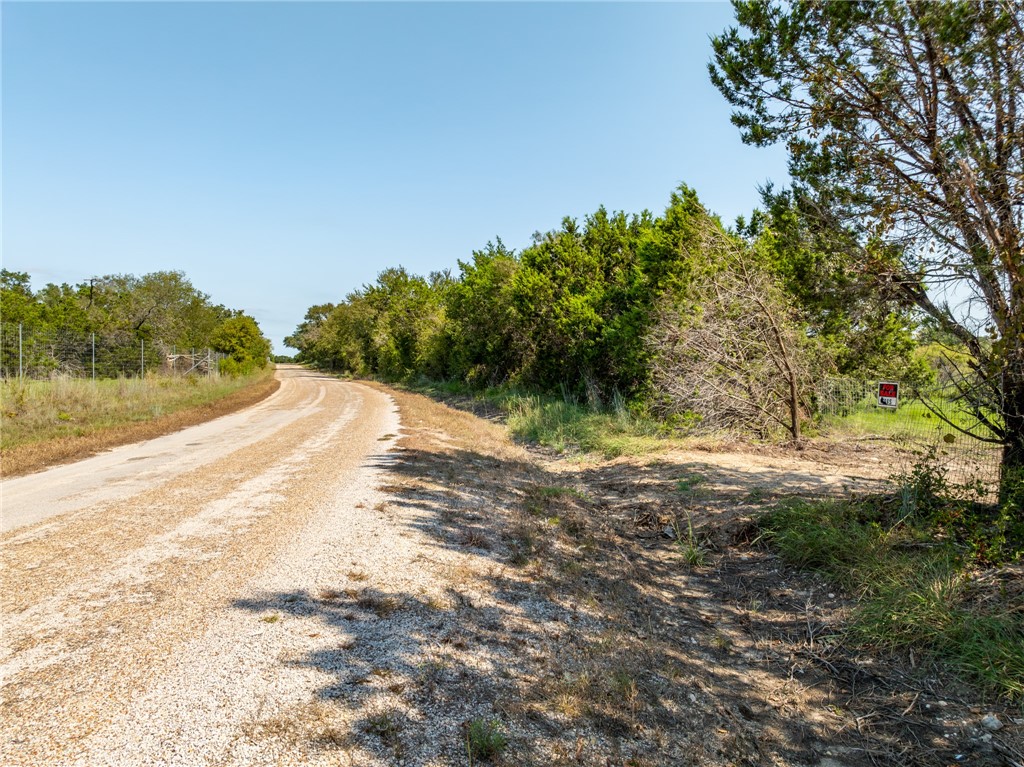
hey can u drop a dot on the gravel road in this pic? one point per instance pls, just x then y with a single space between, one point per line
136 624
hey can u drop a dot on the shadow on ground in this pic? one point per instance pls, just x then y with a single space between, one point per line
608 617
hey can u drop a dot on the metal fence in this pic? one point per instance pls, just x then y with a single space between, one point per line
918 435
32 353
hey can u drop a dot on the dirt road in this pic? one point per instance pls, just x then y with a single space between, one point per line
125 577
315 581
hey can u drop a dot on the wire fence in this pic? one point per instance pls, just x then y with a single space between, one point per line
888 410
36 354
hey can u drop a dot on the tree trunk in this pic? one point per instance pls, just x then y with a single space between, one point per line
794 408
1012 469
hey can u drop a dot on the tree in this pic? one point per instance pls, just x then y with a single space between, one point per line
870 333
241 339
904 119
734 351
486 345
309 334
18 304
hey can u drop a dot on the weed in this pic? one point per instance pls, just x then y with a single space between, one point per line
357 575
386 725
571 567
522 546
485 739
624 687
48 410
381 606
687 484
692 550
474 539
270 618
721 642
567 426
435 602
757 495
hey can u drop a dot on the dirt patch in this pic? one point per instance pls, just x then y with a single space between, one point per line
630 620
26 459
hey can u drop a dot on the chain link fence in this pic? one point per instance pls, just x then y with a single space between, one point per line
34 354
856 407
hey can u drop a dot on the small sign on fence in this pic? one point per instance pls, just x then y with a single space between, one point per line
888 394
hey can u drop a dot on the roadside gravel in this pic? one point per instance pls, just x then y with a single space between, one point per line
127 637
320 581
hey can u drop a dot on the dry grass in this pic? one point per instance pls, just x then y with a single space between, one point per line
631 611
379 604
51 422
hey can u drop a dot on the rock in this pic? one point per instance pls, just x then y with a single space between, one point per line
991 722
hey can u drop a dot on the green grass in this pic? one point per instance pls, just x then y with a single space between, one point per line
914 593
484 739
911 420
36 411
561 423
569 427
691 548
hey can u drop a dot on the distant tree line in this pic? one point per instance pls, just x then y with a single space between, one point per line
590 309
161 307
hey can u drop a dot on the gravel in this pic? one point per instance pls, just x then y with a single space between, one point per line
202 618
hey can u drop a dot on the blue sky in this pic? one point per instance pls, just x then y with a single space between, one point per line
282 154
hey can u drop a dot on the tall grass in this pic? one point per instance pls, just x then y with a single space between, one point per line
563 423
36 411
567 426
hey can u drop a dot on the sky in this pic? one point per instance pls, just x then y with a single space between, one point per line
283 154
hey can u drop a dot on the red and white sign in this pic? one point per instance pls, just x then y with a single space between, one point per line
888 394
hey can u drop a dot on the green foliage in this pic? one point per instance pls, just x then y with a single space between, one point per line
162 306
240 338
567 313
916 590
485 739
567 426
867 332
897 116
991 532
691 548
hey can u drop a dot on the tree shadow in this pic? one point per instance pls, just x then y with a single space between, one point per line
579 626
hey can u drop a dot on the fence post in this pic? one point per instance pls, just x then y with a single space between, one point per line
94 358
142 345
21 369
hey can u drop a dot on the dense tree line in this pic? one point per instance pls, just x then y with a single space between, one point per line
902 120
578 310
159 308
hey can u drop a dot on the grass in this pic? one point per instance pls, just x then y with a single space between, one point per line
915 592
485 739
560 423
912 421
570 427
41 418
381 605
691 548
